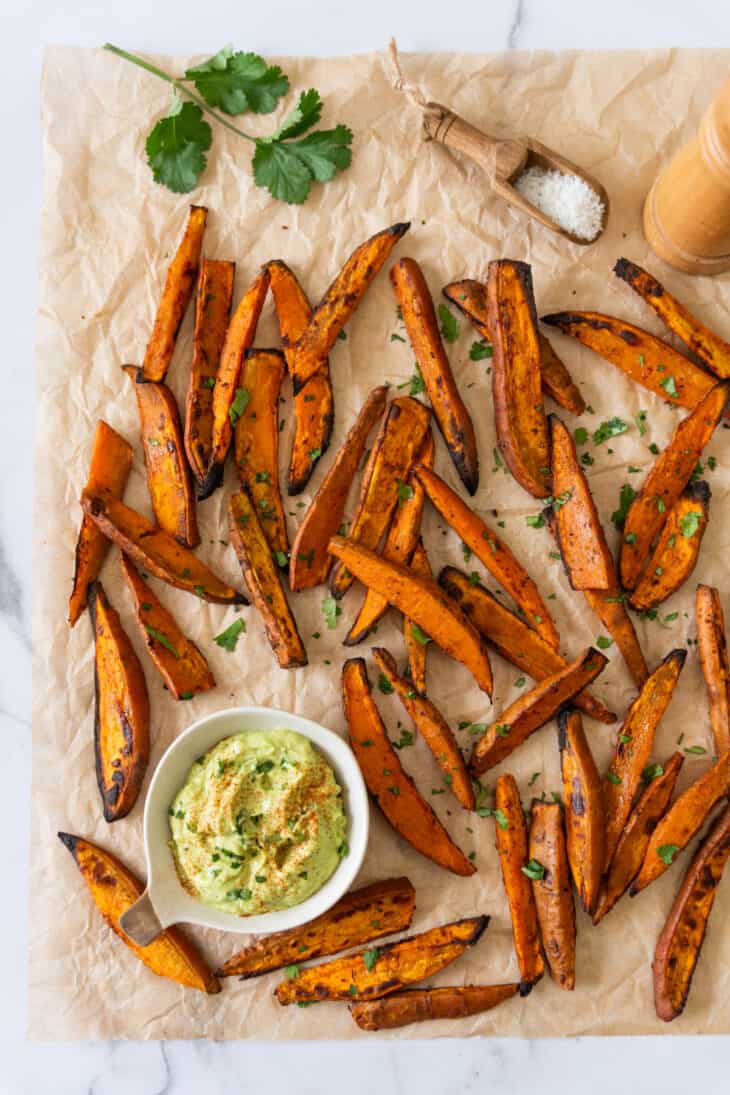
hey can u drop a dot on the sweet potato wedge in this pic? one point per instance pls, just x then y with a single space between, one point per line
634 744
512 638
381 908
680 941
114 889
454 420
533 709
228 397
340 301
178 290
364 976
177 659
313 402
263 581
122 710
578 528
553 893
212 310
511 831
416 648
684 818
433 728
399 439
632 845
422 601
585 832
708 347
168 476
712 648
644 358
310 561
519 410
256 442
154 550
491 552
471 297
610 608
667 478
422 1005
386 779
111 462
400 544
675 555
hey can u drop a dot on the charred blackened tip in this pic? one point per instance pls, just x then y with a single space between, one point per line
69 841
400 228
526 987
212 481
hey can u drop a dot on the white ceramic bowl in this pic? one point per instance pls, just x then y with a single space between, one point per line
165 901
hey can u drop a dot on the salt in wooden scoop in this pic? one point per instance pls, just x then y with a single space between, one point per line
505 161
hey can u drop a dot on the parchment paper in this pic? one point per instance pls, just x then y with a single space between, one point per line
107 233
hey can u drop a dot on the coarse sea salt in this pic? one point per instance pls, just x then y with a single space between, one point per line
567 200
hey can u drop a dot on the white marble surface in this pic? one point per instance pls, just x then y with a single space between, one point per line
282 26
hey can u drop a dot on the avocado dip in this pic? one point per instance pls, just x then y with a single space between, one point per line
258 824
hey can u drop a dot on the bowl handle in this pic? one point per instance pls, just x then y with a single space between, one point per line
140 921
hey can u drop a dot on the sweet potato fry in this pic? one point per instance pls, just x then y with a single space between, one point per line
178 290
634 744
648 360
422 1005
114 889
553 893
512 638
400 544
454 420
177 659
386 779
364 976
111 461
122 711
399 439
511 831
711 350
212 310
609 607
519 410
168 475
263 581
310 562
340 301
471 297
256 443
666 480
680 941
712 647
381 908
416 648
675 555
584 819
433 728
422 601
684 818
578 528
632 845
228 398
154 550
533 709
313 402
491 552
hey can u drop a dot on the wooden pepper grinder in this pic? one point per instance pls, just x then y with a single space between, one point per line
687 210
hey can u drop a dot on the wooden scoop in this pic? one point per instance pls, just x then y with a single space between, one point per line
503 161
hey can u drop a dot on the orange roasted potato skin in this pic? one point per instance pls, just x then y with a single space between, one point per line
553 892
675 555
584 816
114 889
423 1005
111 462
712 647
416 650
122 713
381 908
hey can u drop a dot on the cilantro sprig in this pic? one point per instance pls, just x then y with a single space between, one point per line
286 162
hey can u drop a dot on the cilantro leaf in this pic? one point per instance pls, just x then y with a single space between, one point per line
612 427
235 82
480 351
288 168
228 638
305 114
534 870
667 852
448 324
162 639
240 401
626 498
384 685
419 635
370 957
330 610
176 147
669 386
689 523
